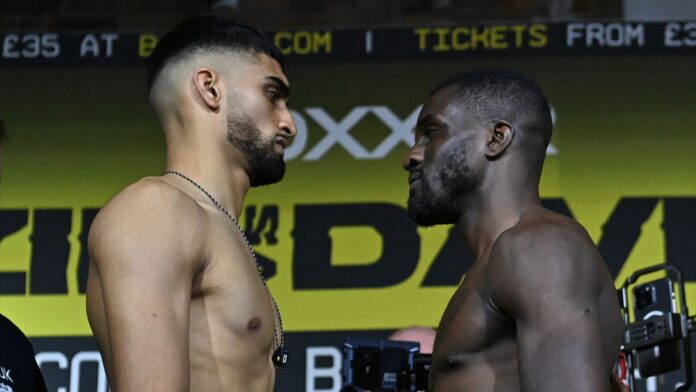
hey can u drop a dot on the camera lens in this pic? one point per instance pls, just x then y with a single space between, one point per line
645 296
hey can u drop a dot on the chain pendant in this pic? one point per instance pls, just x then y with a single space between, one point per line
280 355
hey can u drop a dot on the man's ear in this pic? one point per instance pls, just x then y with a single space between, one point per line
207 86
500 138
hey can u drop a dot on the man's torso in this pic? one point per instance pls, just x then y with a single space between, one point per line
231 316
476 347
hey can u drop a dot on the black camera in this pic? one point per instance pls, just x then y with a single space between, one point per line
384 366
655 305
644 296
656 329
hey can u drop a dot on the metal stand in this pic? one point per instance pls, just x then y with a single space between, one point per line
657 329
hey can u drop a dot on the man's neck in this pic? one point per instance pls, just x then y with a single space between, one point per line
224 179
488 214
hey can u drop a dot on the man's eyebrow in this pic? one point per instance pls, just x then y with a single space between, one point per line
283 89
423 120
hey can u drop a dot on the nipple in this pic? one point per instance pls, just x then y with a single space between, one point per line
254 324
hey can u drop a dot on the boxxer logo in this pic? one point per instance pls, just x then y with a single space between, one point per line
338 133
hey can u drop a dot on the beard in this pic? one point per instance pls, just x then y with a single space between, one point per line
266 165
436 199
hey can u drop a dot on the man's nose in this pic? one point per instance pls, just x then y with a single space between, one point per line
287 123
413 158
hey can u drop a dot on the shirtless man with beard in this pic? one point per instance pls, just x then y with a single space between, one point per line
174 295
538 310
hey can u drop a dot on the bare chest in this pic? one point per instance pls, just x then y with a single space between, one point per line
231 309
472 330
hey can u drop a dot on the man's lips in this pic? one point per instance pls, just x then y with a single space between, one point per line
282 141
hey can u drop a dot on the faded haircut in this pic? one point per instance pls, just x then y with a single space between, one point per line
212 34
491 95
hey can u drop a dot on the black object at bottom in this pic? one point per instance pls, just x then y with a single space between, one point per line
384 366
18 368
656 339
280 357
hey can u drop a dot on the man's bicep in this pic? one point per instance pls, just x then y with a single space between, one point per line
545 285
145 278
561 351
147 333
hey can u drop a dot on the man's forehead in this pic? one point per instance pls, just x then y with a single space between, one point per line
444 96
248 66
439 103
270 68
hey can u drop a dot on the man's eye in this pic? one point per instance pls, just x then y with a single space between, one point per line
429 132
427 135
272 95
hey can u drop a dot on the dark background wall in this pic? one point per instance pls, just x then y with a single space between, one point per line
137 14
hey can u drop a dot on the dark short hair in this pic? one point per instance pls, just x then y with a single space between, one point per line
211 33
494 94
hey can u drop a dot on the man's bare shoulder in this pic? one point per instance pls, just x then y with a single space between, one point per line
148 211
548 251
544 235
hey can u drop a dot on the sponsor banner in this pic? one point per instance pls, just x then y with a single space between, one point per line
405 43
316 361
333 237
74 364
70 364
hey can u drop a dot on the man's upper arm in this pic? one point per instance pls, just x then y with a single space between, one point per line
143 249
547 286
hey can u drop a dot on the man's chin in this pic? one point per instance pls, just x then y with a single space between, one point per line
419 215
423 220
426 216
268 177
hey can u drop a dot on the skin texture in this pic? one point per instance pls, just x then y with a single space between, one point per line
538 310
173 295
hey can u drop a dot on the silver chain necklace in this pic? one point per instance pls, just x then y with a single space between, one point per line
280 355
